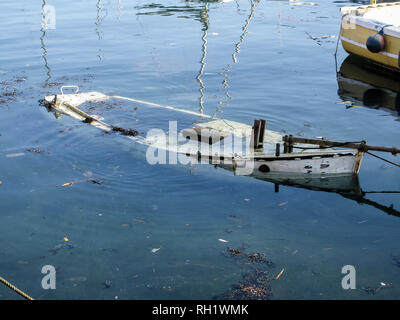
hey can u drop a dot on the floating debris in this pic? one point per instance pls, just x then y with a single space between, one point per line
254 286
125 132
35 150
246 291
14 155
280 274
92 180
95 181
234 252
249 258
371 290
222 240
256 257
107 284
155 250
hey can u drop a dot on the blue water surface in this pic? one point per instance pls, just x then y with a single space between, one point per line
238 60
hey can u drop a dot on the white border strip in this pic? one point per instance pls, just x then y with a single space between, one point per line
388 54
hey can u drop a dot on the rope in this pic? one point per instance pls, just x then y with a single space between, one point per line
381 192
16 289
385 26
338 40
374 155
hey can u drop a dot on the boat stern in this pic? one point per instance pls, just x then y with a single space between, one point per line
359 23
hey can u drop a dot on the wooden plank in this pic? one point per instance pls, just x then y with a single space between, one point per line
349 145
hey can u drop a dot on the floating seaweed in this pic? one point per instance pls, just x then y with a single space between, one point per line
126 132
234 252
254 286
259 258
256 275
249 258
371 290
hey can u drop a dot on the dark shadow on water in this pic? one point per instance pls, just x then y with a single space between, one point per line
348 186
362 83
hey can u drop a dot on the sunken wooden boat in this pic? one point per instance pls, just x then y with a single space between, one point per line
373 32
204 138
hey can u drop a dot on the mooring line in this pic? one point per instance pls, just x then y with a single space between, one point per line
383 159
203 115
27 297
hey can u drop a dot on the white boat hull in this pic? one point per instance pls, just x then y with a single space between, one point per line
308 161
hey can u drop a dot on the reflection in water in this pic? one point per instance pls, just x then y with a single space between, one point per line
202 14
205 21
187 11
99 19
119 10
362 200
362 83
237 50
348 186
42 43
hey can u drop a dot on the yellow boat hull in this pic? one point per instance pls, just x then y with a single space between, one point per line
356 28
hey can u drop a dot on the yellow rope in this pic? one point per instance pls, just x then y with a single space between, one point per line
16 289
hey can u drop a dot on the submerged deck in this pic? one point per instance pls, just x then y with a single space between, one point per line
232 146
